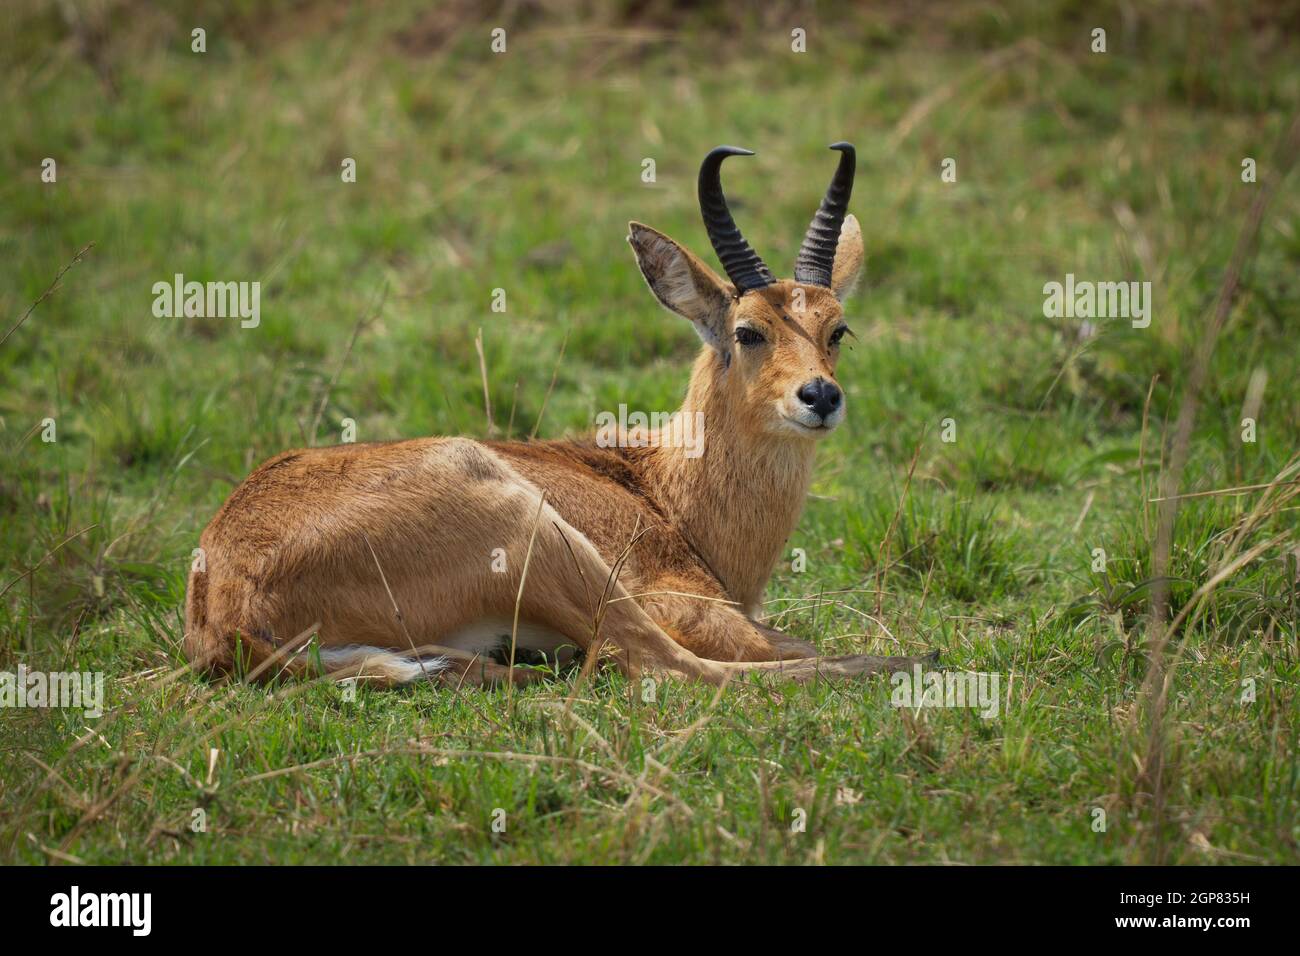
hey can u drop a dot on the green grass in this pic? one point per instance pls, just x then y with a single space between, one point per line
520 171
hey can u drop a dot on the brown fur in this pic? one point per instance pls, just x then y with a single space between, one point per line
325 540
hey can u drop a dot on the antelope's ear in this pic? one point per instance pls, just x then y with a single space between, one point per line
681 282
849 255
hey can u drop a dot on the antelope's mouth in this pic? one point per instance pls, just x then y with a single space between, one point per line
805 425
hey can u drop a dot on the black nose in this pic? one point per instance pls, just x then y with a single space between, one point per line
821 396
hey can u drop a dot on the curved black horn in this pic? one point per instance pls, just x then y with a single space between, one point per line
817 254
742 264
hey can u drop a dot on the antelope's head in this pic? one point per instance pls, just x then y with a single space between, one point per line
776 340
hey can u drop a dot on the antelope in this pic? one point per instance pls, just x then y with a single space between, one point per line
461 560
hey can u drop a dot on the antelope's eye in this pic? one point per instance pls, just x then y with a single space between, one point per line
749 337
837 335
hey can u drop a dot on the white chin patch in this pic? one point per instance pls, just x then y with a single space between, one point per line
802 421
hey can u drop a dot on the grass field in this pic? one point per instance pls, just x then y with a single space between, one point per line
519 171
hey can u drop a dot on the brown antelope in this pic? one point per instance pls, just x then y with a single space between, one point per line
405 558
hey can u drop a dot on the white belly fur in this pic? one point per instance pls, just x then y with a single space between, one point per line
483 637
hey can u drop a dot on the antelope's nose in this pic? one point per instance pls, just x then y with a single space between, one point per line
821 396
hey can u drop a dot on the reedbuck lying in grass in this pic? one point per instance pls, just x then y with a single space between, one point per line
405 558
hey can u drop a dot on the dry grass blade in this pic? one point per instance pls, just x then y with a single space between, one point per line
1219 492
48 554
283 652
893 523
362 321
1156 685
50 290
598 616
397 611
547 397
923 107
487 396
519 595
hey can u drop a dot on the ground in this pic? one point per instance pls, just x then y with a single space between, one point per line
989 452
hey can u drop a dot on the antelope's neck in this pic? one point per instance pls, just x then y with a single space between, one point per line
738 501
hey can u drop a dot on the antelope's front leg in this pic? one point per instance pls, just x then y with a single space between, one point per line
715 630
712 628
786 646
